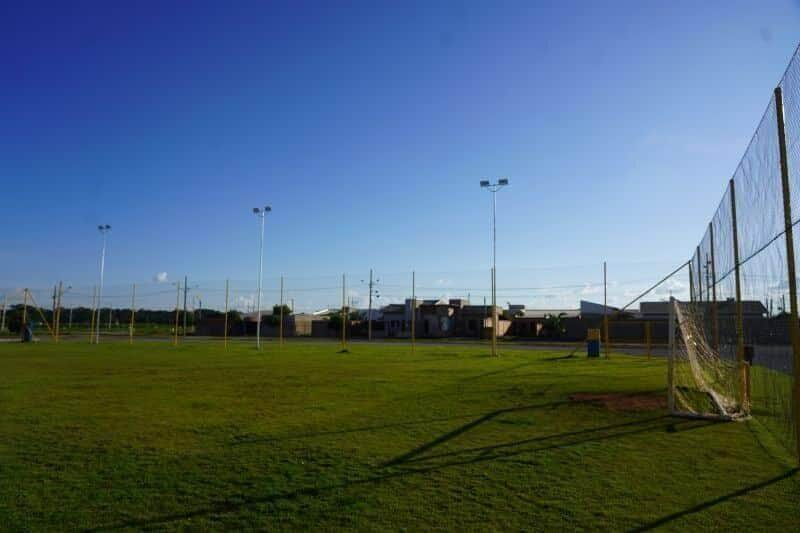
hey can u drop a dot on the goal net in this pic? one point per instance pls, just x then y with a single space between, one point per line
703 380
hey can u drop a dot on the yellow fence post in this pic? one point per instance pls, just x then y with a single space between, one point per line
714 317
344 315
743 378
133 313
225 326
280 326
607 343
413 312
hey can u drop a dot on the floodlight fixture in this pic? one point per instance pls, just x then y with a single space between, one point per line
484 183
503 182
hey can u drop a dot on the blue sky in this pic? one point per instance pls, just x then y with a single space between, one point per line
367 126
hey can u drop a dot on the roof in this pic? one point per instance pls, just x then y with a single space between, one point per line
544 313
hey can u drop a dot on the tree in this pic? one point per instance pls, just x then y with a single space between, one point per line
554 325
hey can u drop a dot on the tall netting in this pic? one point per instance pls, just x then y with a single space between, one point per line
701 382
734 344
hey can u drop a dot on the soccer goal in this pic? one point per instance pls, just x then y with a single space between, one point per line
702 380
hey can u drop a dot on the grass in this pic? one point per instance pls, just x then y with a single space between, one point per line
151 436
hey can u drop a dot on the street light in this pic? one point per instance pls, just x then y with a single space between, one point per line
260 213
103 229
494 187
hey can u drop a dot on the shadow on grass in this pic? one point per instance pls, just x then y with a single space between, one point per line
380 427
238 502
406 457
721 499
510 449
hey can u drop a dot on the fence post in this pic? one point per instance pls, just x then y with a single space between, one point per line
739 310
177 313
671 357
691 282
3 320
607 343
25 308
225 327
57 314
714 317
413 311
794 325
280 326
94 310
344 315
648 339
133 314
699 277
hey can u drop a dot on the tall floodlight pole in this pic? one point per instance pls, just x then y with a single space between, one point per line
104 229
260 213
494 187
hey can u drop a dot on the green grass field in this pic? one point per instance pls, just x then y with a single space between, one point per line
150 436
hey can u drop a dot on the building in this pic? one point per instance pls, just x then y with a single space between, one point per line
725 308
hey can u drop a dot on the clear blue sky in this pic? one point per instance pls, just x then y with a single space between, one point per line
367 126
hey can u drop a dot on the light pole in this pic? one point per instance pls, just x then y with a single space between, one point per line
376 293
104 229
494 187
260 213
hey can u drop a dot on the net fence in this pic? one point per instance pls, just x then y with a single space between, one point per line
740 270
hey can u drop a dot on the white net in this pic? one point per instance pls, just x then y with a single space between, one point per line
704 382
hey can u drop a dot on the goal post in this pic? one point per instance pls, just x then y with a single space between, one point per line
702 381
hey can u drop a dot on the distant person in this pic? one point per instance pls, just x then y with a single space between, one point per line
27 333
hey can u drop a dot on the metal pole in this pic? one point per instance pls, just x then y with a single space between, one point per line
739 310
133 313
344 315
262 215
93 315
70 319
3 320
794 324
714 317
671 360
369 309
25 308
699 277
57 316
607 344
494 273
185 293
648 339
280 326
691 282
413 312
177 313
225 326
100 290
